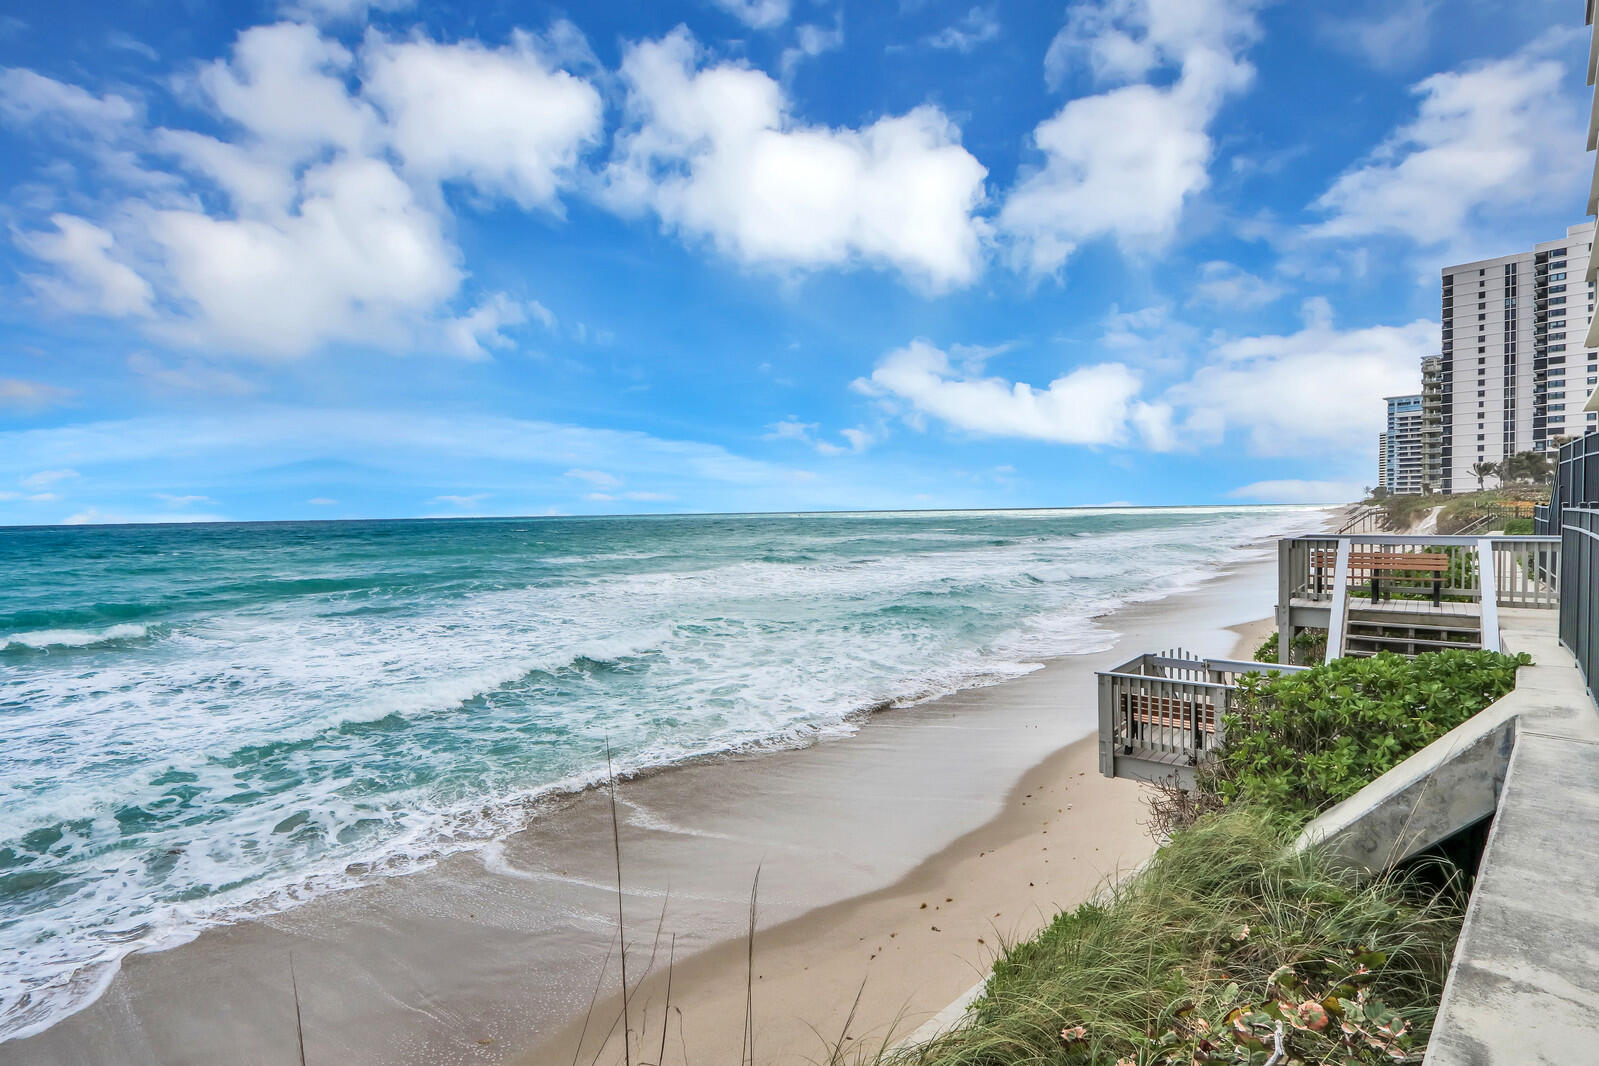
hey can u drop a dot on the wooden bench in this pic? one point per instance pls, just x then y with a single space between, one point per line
1377 563
1164 712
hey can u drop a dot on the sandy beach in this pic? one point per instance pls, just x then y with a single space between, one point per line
893 865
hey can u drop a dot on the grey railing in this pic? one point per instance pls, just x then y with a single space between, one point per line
1365 520
1525 569
1161 713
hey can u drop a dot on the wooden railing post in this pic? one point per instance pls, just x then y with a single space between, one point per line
1107 727
1285 597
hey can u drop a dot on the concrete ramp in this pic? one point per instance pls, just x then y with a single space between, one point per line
1524 985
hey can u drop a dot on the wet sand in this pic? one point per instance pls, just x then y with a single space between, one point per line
985 805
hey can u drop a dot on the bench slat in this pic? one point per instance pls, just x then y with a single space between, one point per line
1385 560
1166 711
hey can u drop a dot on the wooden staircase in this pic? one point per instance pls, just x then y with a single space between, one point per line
1405 626
1368 631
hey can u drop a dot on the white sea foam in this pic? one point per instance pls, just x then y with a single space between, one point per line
74 638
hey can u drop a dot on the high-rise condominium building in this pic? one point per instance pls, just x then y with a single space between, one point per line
1432 423
1399 462
1514 371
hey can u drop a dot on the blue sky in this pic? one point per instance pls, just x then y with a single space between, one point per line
341 259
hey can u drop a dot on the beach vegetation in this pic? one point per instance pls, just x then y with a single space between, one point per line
1229 946
1301 742
1463 511
1309 647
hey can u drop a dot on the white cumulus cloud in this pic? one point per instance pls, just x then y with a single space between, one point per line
1319 388
756 14
312 212
26 96
1484 138
978 26
505 120
714 151
1095 404
1122 163
89 277
1229 286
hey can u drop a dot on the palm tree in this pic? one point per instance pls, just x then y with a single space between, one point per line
1484 470
1524 466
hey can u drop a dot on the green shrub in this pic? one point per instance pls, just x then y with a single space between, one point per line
1301 742
1194 945
1519 527
1310 648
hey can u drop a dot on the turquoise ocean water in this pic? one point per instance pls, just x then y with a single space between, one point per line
201 722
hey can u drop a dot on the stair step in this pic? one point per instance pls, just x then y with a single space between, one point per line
1429 621
1421 632
1414 642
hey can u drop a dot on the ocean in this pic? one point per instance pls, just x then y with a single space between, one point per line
199 723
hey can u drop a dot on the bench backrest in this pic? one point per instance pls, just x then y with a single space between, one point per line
1166 711
1434 561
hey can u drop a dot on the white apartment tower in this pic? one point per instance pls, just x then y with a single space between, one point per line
1515 369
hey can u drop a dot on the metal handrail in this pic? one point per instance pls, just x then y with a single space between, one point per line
1167 680
1421 538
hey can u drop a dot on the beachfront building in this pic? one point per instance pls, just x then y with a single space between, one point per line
1400 465
1432 423
1516 364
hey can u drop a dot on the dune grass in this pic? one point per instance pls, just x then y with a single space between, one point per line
1198 932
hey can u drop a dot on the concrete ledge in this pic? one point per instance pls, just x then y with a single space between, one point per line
945 1020
1450 785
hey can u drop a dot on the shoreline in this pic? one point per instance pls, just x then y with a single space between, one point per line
375 951
828 958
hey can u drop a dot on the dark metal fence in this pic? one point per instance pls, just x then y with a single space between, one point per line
1579 607
1576 483
1573 514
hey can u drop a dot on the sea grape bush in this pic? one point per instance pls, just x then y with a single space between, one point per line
1301 742
1310 647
